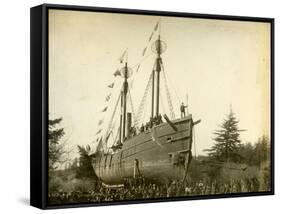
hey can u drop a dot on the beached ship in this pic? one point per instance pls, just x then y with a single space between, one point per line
159 150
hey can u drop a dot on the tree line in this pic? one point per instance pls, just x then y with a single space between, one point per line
227 147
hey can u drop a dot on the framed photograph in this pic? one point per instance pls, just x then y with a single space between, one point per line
133 106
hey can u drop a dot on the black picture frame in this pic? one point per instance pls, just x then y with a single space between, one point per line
39 101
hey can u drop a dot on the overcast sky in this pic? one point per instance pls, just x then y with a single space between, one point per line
217 63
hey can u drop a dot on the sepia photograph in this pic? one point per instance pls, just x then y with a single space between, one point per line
145 107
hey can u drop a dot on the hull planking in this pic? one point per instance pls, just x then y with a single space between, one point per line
160 154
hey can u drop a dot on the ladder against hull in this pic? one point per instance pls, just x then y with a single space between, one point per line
159 154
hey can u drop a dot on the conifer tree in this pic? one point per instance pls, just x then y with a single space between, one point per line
85 169
55 149
227 140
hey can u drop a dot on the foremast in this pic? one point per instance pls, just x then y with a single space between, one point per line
124 93
125 116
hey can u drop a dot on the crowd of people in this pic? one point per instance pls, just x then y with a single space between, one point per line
142 189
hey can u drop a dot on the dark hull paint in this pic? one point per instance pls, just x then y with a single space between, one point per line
162 155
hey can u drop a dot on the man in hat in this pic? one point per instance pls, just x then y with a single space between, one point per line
182 109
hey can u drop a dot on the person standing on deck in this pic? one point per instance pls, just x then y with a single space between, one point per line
182 109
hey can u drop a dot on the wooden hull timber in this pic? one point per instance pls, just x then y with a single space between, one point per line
160 154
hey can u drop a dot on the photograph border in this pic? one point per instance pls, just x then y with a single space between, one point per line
39 103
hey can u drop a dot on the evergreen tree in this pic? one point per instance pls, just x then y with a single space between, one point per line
247 153
227 140
84 168
261 151
55 148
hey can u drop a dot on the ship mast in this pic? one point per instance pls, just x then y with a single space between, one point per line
152 95
126 73
158 47
158 70
124 93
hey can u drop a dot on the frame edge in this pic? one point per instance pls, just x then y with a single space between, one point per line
36 144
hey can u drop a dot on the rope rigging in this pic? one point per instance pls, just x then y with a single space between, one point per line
142 60
108 130
178 99
162 103
141 111
143 101
116 136
171 108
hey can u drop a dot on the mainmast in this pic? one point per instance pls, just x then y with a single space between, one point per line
158 70
158 47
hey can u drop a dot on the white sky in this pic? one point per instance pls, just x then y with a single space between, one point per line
218 63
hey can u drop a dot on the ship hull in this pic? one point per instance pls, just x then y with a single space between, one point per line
160 154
